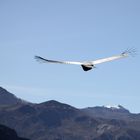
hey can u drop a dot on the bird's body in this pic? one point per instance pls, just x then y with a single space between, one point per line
88 65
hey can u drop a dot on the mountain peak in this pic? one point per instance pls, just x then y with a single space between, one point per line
51 102
114 107
3 91
55 104
7 98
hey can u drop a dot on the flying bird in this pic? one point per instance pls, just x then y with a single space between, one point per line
88 65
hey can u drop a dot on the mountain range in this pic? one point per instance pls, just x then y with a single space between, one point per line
52 120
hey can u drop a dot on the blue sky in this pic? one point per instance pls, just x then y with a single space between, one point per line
73 30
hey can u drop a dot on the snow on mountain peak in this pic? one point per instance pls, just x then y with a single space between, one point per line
114 106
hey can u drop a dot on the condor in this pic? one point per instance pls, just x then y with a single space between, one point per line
88 65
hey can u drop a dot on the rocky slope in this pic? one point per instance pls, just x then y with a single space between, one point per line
8 134
53 120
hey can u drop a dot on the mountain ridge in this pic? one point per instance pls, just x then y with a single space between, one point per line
7 98
5 95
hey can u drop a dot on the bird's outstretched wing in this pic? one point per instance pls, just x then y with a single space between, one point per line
55 61
124 54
